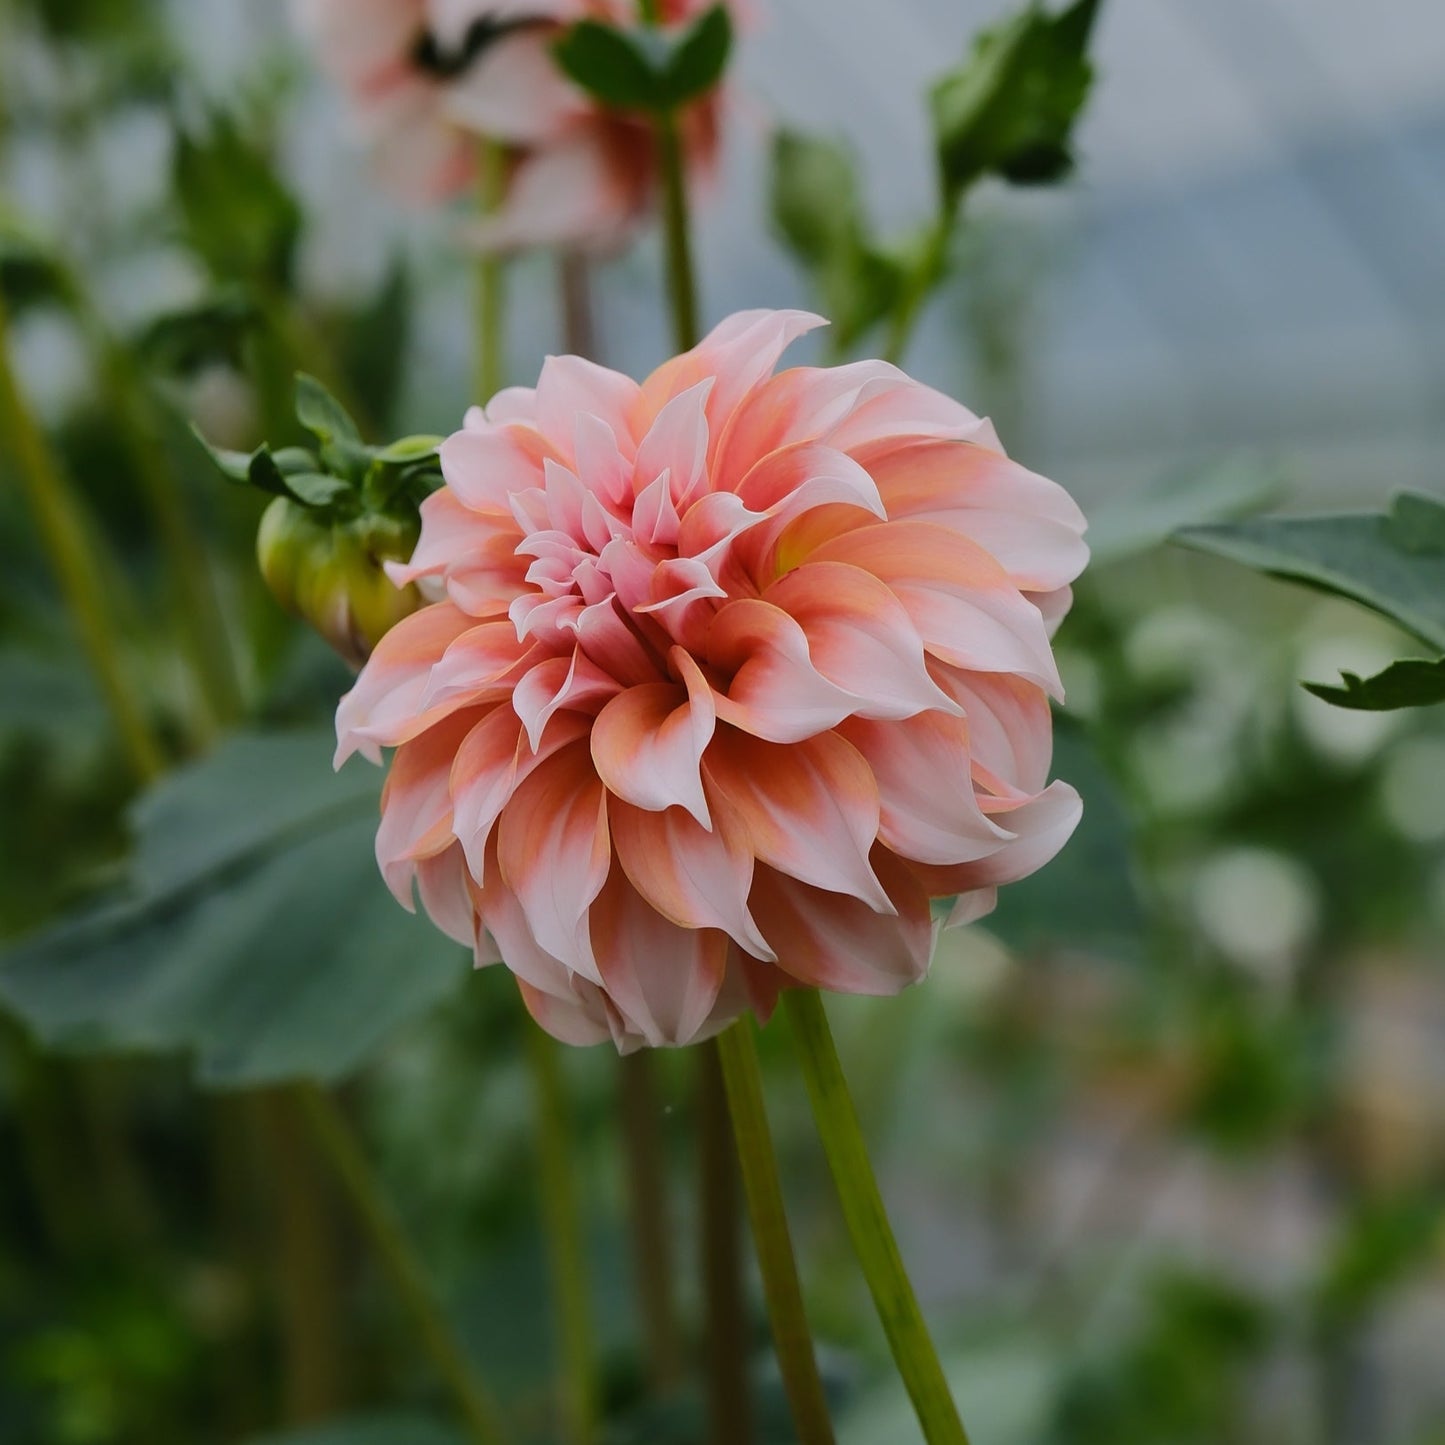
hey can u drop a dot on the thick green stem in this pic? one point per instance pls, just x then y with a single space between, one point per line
491 302
792 1338
922 277
397 1257
63 532
202 622
729 1402
650 1218
867 1222
566 1251
681 282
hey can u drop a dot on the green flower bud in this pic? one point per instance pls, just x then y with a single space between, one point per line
327 570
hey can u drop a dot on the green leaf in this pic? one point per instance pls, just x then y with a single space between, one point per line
1010 109
819 214
1217 491
1391 562
234 466
316 489
814 194
32 273
410 449
698 59
322 415
181 342
1411 682
255 933
609 65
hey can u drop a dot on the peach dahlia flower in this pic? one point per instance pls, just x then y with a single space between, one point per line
427 78
729 675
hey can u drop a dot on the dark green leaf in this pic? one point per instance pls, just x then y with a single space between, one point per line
31 272
1216 491
1374 558
814 194
181 342
255 934
609 65
321 414
1010 109
1411 682
698 59
234 466
316 489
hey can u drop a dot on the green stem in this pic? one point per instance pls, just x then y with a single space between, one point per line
792 1338
681 281
729 1400
78 570
334 1136
491 315
867 1220
202 621
923 276
564 1237
650 1218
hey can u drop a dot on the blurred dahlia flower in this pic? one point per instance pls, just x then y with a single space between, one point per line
426 79
729 674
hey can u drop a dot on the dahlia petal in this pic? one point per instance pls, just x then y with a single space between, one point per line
739 352
795 478
647 742
554 853
693 876
775 691
676 443
383 706
574 682
961 601
607 639
811 809
571 385
493 758
1028 523
600 459
970 907
451 534
929 812
1041 826
833 941
860 638
1010 726
481 665
897 405
441 882
485 468
662 978
654 515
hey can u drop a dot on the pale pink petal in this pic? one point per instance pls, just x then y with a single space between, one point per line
382 707
647 743
775 691
929 811
962 603
676 443
662 978
442 883
493 758
693 876
515 91
1010 726
810 809
485 468
554 852
574 682
833 941
860 637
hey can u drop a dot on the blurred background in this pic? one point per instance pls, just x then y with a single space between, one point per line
1163 1138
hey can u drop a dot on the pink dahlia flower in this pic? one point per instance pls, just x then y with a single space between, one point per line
729 674
428 78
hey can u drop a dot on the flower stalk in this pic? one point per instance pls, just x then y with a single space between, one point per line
566 1251
867 1221
64 535
334 1137
792 1339
490 299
